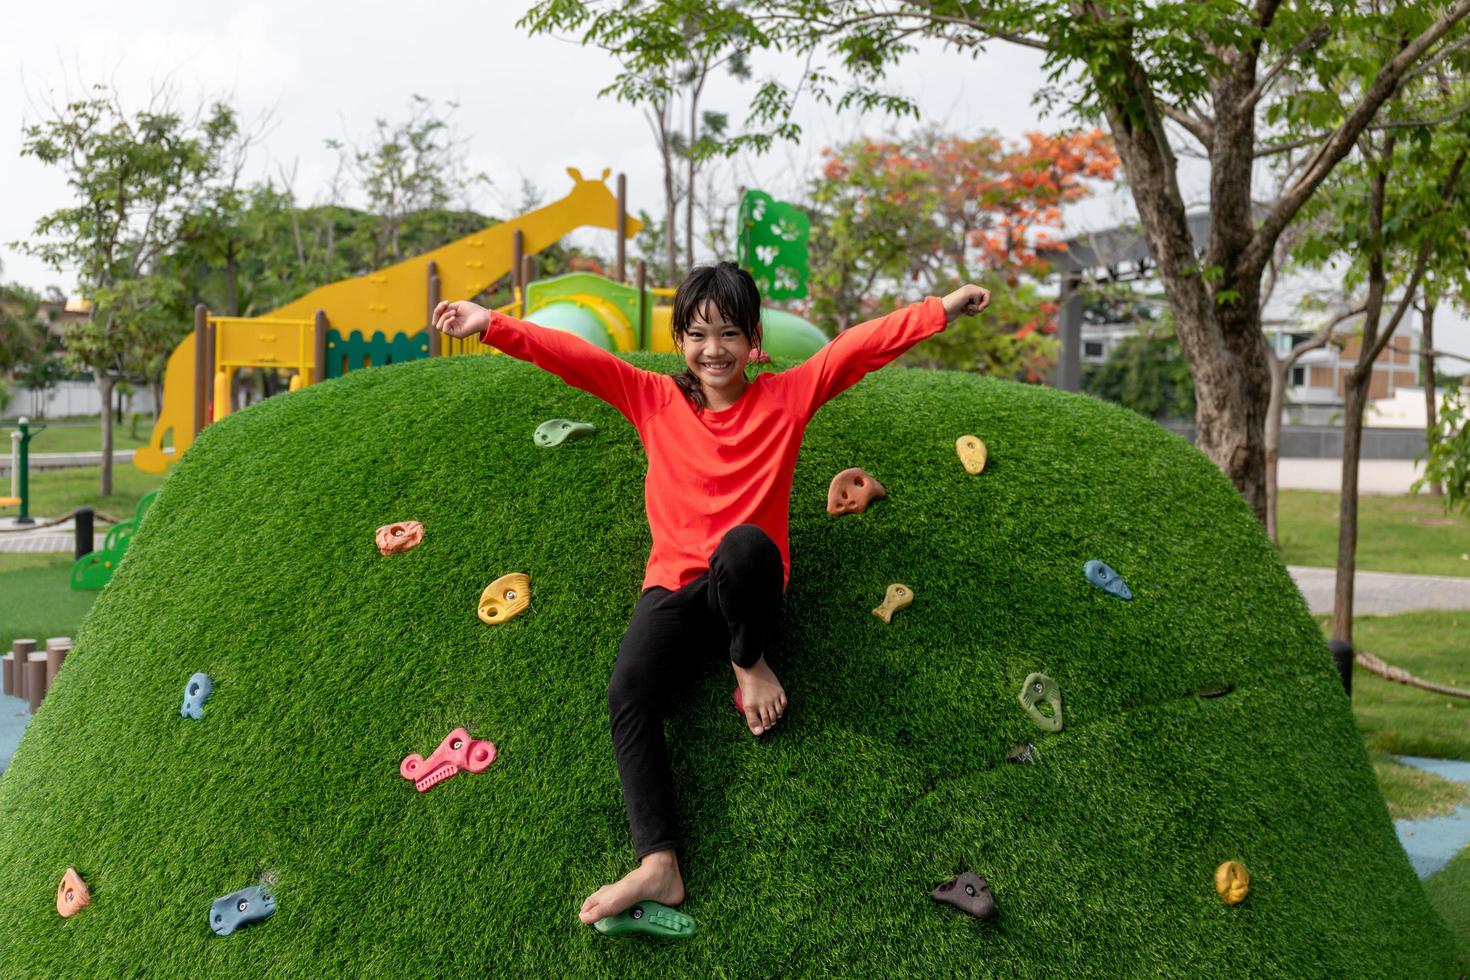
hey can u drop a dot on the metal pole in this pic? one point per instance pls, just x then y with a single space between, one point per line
518 252
1069 363
528 275
25 472
434 286
84 531
202 373
622 260
640 283
1342 657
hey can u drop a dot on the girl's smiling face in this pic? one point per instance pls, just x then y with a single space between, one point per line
716 352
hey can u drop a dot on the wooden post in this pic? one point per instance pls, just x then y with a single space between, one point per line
528 274
203 373
640 283
15 681
518 252
56 650
7 668
35 679
319 343
622 260
434 286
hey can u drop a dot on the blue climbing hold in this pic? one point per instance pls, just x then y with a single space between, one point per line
196 692
239 908
1106 579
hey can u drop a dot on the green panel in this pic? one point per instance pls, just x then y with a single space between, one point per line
773 236
349 352
574 319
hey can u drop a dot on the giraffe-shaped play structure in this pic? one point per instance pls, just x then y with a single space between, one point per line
392 305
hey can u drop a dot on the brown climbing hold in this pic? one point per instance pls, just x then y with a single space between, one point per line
1232 881
897 597
972 454
851 492
72 895
505 598
393 538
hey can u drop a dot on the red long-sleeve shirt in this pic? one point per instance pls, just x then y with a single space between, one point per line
710 471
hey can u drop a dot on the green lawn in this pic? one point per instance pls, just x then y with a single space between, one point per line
77 436
1395 533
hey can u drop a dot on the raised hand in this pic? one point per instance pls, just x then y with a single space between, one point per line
968 300
461 319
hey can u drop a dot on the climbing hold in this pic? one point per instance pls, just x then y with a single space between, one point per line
1023 753
505 598
1106 579
1214 692
969 893
757 355
851 492
1038 688
972 454
554 432
230 912
650 917
895 598
457 751
196 692
393 538
1232 881
72 894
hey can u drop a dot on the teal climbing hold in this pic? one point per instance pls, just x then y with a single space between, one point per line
1039 688
554 432
652 918
1106 579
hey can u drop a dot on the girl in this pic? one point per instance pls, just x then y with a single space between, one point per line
721 456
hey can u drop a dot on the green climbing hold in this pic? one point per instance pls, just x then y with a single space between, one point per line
554 432
647 917
1038 688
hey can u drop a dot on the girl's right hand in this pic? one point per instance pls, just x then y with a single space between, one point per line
461 319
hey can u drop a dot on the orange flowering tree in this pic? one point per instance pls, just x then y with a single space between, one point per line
893 219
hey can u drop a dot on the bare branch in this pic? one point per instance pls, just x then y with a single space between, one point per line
1200 127
1320 338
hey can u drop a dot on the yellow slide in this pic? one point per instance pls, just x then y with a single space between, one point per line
392 300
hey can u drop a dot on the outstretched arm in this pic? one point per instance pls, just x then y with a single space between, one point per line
569 357
868 346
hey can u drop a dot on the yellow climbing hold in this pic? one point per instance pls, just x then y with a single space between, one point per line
897 597
1232 881
972 454
505 598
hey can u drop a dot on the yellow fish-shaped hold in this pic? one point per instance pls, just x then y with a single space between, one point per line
898 596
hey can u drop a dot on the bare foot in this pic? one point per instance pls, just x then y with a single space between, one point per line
657 878
762 695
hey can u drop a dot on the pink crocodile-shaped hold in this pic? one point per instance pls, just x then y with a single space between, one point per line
457 751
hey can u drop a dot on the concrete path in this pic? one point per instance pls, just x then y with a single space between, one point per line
60 539
1431 842
15 714
1374 475
1383 593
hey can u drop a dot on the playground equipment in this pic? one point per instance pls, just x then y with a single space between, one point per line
229 912
851 491
505 598
72 894
400 536
1039 688
895 597
648 917
94 570
967 892
972 454
29 673
1102 576
458 752
554 432
20 484
382 317
196 692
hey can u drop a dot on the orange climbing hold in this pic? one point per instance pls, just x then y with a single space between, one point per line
72 895
851 492
393 538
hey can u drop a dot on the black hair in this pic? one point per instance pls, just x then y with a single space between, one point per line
733 293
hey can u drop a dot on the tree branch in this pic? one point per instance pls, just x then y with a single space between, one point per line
1313 39
1199 127
1342 138
1319 339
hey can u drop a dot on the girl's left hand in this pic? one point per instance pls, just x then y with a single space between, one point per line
968 300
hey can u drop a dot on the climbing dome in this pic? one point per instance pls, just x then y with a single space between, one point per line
811 852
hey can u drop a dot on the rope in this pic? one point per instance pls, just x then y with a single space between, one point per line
106 519
1400 676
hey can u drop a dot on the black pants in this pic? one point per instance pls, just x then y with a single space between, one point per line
732 611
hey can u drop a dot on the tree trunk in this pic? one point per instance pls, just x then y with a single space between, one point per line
1426 368
104 386
1347 509
1273 441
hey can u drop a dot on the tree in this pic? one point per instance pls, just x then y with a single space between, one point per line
668 52
1447 456
1146 373
1208 67
134 178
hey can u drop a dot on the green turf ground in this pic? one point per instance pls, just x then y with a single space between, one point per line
1406 534
810 853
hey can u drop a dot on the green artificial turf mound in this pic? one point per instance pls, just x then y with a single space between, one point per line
811 852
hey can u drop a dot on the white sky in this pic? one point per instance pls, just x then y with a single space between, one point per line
528 108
